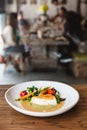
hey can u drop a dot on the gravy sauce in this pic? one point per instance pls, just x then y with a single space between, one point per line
41 108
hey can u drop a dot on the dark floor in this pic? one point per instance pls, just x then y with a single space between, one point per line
11 76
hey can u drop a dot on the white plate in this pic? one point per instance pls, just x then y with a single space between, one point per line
71 95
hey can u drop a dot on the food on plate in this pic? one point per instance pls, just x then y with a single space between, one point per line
41 99
60 38
46 99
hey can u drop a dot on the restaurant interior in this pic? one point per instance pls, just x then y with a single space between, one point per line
43 40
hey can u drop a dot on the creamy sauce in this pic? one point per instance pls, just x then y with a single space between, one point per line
41 108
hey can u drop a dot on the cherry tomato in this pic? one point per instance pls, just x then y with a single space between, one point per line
23 93
51 91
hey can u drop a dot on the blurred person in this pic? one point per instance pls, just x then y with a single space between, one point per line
20 18
73 30
10 28
11 50
14 16
69 21
73 24
70 25
23 27
60 19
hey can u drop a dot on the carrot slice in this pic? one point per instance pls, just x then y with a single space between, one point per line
26 96
44 91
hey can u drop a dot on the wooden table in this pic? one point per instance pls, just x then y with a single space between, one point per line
44 53
75 119
48 42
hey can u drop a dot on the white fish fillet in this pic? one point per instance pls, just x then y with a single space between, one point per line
44 100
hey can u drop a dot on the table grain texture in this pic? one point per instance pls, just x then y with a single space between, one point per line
74 119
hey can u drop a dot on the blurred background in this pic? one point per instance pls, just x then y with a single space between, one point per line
43 40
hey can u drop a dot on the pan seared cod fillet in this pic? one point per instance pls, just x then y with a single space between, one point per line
46 99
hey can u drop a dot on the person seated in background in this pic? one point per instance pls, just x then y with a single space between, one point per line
20 17
25 38
10 47
73 23
73 30
58 5
10 28
69 21
70 25
60 19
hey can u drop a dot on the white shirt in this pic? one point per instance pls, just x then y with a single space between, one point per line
8 36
